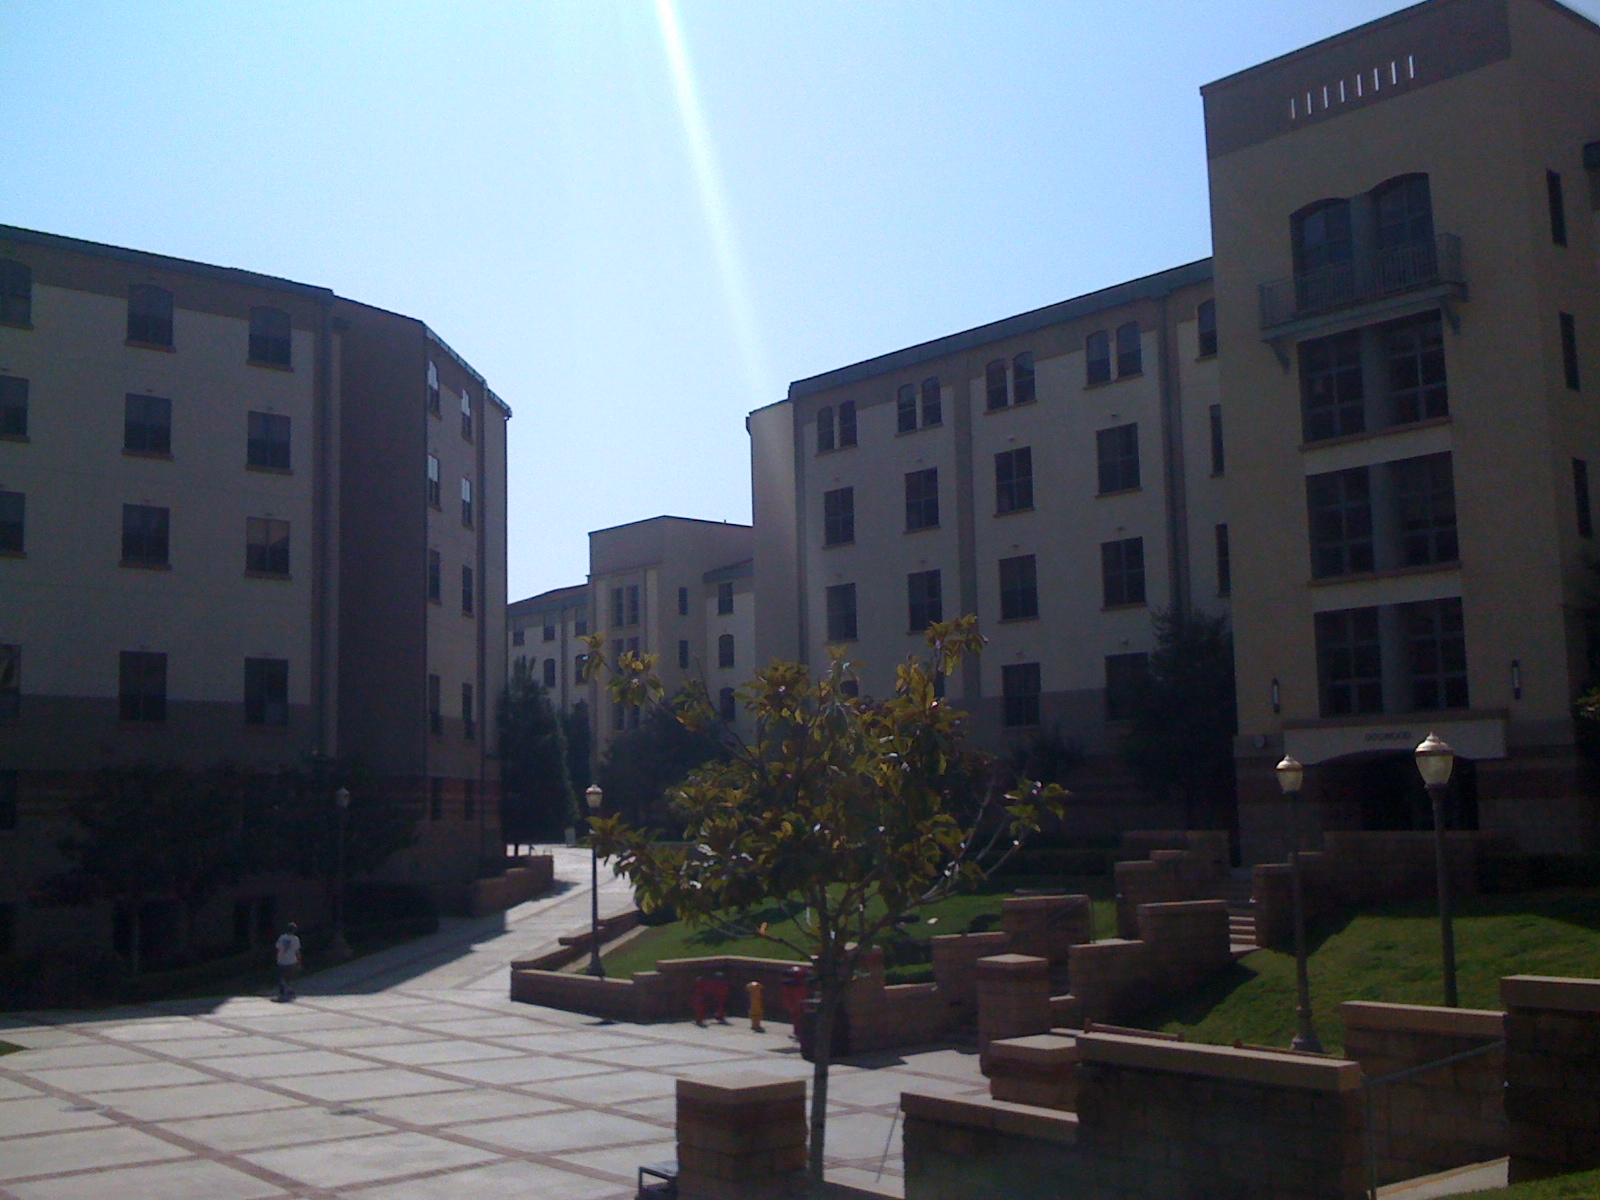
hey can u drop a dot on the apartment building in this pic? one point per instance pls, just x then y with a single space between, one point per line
1405 258
224 537
545 630
1058 473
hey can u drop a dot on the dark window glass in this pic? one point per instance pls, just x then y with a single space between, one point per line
1130 353
1013 480
932 402
724 599
578 662
16 292
1224 563
1339 507
1097 357
1122 572
269 337
10 684
549 672
467 597
1126 676
13 523
725 650
580 625
266 546
435 500
144 534
1019 588
1569 350
435 716
1022 384
1349 663
1403 210
1322 237
994 383
266 691
434 405
842 612
8 816
149 315
146 424
727 706
617 610
269 443
1425 509
839 517
905 408
824 429
1417 385
1558 208
1206 318
683 602
633 604
435 583
1436 654
924 600
466 416
1019 686
1580 497
518 636
13 406
847 424
1331 393
1218 458
922 499
1118 452
683 654
469 713
142 686
547 631
466 504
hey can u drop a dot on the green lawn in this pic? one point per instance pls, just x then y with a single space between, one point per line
1582 1186
1393 955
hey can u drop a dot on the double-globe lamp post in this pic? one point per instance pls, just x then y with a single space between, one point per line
594 797
1290 776
340 948
1435 760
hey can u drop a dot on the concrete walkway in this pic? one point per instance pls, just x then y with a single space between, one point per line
405 1076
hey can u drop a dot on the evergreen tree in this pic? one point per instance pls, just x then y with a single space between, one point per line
535 789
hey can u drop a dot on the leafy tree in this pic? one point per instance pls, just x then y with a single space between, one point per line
580 744
536 791
642 765
1185 716
836 813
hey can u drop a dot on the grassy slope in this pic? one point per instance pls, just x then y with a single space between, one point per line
1582 1186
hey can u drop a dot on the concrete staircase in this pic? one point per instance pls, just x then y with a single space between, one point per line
1241 911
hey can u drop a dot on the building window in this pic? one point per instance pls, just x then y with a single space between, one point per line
932 403
724 599
1097 358
1122 572
434 405
922 499
825 429
266 546
435 799
144 535
1436 654
1558 208
1322 239
633 604
146 424
13 406
269 337
10 683
1349 662
266 692
580 625
1013 480
1022 385
683 602
435 715
847 424
549 672
1339 507
466 591
1118 451
1206 319
994 381
1569 351
839 517
149 315
1224 563
268 441
683 654
924 600
16 292
1019 687
579 663
1019 588
466 416
435 500
1425 509
1130 351
435 585
725 651
13 523
1417 386
548 630
142 686
1332 399
1218 457
466 503
616 608
727 706
842 612
1126 676
1404 211
8 821
905 408
518 636
469 799
469 713
1580 497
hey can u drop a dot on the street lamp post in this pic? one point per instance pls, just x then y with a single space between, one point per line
1290 776
340 949
594 798
1435 760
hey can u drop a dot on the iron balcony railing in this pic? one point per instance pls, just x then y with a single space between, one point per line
1389 272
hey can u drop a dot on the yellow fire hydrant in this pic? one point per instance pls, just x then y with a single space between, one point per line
757 1007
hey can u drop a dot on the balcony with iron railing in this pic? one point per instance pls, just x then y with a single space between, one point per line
1378 280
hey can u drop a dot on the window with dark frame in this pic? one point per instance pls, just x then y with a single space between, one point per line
1130 350
13 406
1322 237
1022 382
1436 654
145 529
924 600
466 504
905 408
1580 498
16 292
725 651
1224 563
547 630
1569 351
1097 357
1339 509
13 523
1126 677
633 605
1117 450
266 546
825 440
1218 455
725 598
1425 509
518 636
683 653
1019 588
146 424
922 499
469 713
10 683
727 706
549 673
270 338
580 624
1332 395
1013 480
1122 572
839 517
435 715
435 497
683 602
1418 389
8 821
1403 212
847 423
996 391
468 598
932 403
1019 691
149 315
435 580
1349 662
268 441
466 416
1558 208
266 692
617 610
1206 320
841 601
142 686
435 406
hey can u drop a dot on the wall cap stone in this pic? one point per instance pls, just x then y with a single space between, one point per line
1013 964
1268 1067
1001 1116
1551 992
741 1088
1488 1024
1046 903
1041 1048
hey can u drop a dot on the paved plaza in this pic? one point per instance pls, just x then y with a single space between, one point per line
405 1076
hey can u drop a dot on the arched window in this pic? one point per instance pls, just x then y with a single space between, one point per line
727 708
1097 357
1402 210
725 650
1206 316
149 315
994 381
1130 354
1322 236
824 429
16 292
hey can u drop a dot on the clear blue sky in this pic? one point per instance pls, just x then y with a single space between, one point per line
634 257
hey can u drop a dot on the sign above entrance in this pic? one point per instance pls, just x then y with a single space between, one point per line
1478 738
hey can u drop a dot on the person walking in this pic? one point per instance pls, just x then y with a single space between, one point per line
289 962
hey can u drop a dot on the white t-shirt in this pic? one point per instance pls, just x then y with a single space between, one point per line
288 950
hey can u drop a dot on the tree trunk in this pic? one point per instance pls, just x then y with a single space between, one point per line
831 993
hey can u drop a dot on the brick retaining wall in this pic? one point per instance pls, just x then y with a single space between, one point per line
1552 1074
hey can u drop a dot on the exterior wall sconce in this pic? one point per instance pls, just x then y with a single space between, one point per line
1277 698
1516 679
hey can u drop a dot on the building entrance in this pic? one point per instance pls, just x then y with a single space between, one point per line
1387 791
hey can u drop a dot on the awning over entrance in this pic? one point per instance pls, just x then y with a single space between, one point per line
1470 737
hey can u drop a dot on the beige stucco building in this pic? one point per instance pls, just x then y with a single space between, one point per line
545 629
